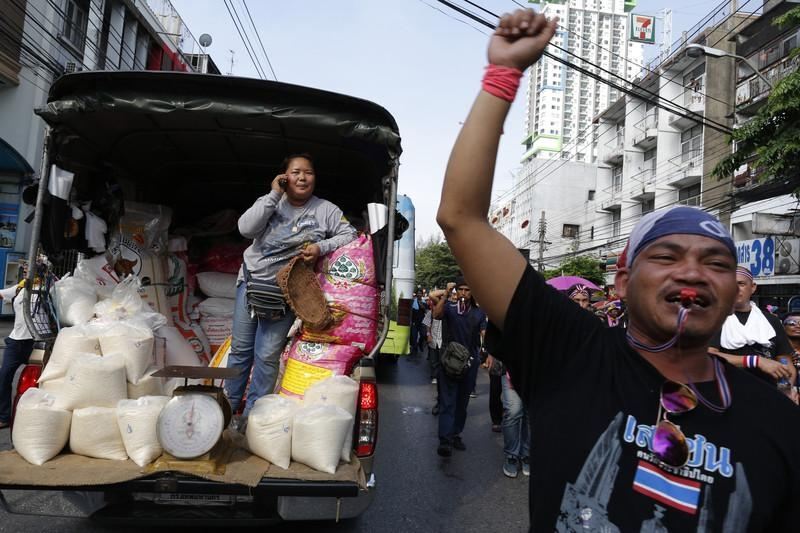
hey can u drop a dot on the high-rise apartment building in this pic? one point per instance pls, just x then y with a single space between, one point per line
563 102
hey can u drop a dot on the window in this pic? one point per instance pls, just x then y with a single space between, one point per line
691 143
689 195
591 195
648 205
75 20
769 55
616 179
570 231
616 222
789 45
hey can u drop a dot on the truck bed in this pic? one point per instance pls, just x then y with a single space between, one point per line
71 471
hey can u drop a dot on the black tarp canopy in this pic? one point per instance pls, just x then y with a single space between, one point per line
219 138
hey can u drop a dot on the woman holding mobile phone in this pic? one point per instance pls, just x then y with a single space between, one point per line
287 222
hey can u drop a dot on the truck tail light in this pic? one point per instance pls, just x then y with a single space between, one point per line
28 378
367 428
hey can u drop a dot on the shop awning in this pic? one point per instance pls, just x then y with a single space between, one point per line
11 162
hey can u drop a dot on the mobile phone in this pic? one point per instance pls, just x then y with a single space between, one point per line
282 182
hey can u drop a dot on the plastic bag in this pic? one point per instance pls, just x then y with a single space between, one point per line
318 436
347 277
309 362
269 429
147 386
92 381
41 430
130 339
126 304
95 433
74 299
138 421
340 391
76 339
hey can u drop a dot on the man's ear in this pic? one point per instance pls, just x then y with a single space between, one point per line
755 286
621 279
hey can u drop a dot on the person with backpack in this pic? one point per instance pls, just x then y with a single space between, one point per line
463 326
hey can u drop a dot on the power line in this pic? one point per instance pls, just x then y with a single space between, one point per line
259 40
245 41
691 115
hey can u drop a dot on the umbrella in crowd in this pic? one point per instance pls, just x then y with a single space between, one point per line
563 283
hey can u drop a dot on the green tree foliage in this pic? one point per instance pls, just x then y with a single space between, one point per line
584 266
435 264
773 135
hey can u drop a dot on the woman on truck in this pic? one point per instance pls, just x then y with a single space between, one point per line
287 222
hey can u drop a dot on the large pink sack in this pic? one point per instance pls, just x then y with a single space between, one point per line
347 277
309 362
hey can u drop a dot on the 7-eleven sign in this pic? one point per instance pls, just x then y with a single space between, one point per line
643 28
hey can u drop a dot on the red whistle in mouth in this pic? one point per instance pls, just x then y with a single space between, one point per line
688 296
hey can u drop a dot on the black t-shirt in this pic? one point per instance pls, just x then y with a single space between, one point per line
779 344
593 402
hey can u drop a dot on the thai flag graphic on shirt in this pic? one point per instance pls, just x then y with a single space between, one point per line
679 493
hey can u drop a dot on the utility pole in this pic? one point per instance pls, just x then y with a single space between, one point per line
542 232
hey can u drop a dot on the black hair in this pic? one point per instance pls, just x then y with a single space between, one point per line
288 159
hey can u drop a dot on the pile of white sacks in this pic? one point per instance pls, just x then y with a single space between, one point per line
317 432
96 392
96 395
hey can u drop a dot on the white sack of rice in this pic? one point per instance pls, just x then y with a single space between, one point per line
318 436
95 433
41 430
269 428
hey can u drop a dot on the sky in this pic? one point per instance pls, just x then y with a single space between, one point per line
416 58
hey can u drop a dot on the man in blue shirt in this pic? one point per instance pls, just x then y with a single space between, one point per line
463 322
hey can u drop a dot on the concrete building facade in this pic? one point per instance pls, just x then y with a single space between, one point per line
562 102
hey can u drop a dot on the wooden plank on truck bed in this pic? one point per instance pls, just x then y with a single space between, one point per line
244 468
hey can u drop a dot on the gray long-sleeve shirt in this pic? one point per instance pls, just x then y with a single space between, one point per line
280 230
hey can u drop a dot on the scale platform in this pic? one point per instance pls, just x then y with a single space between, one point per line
196 372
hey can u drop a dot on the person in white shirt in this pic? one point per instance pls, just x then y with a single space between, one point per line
19 345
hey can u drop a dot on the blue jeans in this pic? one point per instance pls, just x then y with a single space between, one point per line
257 343
453 400
516 431
17 354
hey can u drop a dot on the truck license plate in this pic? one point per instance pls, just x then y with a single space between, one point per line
171 498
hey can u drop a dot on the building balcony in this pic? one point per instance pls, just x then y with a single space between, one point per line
612 153
648 135
643 186
611 201
752 93
689 169
694 101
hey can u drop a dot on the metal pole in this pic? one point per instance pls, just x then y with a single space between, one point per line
33 248
542 232
387 292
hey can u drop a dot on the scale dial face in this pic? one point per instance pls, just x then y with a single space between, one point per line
190 425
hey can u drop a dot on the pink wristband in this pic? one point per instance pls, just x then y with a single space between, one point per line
502 82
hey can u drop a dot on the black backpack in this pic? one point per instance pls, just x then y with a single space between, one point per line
456 360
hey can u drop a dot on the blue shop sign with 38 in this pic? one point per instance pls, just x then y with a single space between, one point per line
758 255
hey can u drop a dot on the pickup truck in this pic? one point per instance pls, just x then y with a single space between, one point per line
199 144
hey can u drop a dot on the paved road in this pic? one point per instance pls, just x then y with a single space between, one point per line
416 489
